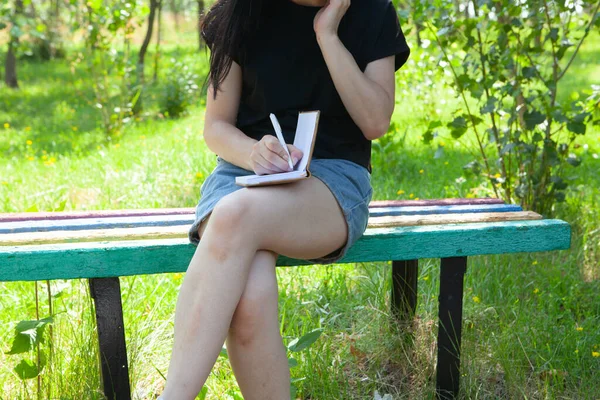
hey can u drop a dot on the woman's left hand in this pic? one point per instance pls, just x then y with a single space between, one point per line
328 18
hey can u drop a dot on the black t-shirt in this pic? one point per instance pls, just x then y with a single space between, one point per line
283 72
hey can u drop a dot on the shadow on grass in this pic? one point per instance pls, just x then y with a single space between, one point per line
55 108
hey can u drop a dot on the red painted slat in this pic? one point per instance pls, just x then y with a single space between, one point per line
37 216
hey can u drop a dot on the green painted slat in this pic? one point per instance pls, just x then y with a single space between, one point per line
96 260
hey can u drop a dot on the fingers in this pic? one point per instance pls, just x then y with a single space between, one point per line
269 157
296 153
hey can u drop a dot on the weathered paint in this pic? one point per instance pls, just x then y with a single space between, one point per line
162 231
109 259
458 209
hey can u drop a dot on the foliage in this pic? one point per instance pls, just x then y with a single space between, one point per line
507 60
28 336
107 56
180 90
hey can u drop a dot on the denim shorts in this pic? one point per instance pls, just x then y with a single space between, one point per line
349 183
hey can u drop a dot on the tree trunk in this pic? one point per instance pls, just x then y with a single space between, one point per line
146 43
201 7
10 77
157 51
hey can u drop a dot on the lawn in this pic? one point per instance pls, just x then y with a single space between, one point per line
531 320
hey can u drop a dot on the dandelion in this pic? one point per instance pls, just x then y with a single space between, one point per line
400 192
199 175
446 163
442 144
426 278
6 125
27 128
29 142
498 175
74 128
142 137
579 328
576 351
421 171
44 157
416 198
412 195
596 354
536 291
31 158
4 183
117 145
476 299
534 262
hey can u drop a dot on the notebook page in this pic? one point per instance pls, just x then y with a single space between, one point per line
257 179
305 131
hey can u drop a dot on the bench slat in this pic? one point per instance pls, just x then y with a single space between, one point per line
62 215
188 219
99 260
457 209
441 219
161 231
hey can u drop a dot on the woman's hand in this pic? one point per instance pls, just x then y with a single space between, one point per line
328 18
269 157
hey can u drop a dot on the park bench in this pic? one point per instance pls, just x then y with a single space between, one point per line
104 245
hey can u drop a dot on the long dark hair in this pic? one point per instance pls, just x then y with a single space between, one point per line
224 28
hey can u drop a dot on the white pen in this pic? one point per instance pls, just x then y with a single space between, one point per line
279 134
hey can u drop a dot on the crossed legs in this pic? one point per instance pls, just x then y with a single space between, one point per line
230 290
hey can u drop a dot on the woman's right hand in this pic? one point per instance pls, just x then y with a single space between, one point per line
268 156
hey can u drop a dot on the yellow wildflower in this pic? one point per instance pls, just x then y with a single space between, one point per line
534 263
416 198
411 195
446 163
117 145
31 158
579 328
74 128
4 183
400 192
44 157
536 291
442 144
142 137
498 175
28 128
6 125
576 351
476 299
596 354
426 278
29 142
199 175
421 171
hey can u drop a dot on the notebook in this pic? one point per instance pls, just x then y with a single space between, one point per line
306 133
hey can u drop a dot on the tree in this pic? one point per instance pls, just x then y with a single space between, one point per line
10 77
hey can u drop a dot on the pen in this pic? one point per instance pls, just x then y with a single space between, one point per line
277 128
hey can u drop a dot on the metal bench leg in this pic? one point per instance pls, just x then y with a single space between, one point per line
106 293
450 324
404 289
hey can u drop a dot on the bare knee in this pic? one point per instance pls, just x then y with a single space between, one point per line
225 229
258 302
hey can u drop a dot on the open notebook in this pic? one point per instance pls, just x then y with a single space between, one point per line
306 133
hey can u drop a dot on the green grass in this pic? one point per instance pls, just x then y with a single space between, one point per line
530 320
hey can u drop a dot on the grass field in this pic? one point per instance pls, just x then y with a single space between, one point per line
531 320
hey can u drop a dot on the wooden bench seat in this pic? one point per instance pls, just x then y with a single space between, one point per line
105 245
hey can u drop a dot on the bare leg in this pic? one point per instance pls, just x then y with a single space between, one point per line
300 220
254 343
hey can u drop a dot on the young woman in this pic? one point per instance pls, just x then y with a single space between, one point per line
281 57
